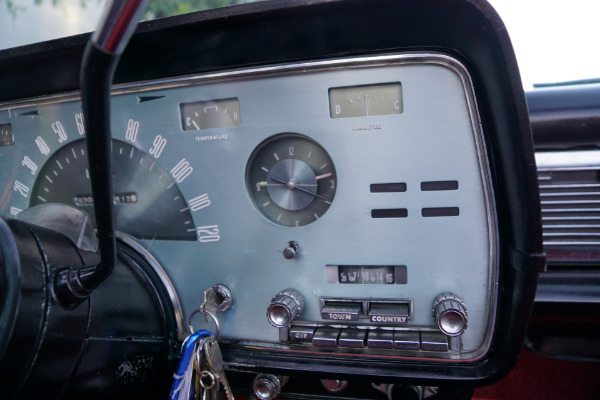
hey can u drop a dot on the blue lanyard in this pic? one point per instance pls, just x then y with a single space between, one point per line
184 364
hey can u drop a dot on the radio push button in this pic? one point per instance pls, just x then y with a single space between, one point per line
381 339
389 312
326 337
302 333
407 340
433 341
354 338
341 311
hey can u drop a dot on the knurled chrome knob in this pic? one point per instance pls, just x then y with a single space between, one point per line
285 307
267 386
450 314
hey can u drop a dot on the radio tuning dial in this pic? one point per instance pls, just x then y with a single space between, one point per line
450 314
285 307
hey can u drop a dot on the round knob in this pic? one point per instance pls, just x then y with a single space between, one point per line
450 314
334 385
405 392
285 307
267 386
291 250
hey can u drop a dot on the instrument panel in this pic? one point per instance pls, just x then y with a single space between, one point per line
351 195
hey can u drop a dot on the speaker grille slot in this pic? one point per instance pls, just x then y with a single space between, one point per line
570 197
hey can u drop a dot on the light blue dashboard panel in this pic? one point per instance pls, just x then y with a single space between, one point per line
436 137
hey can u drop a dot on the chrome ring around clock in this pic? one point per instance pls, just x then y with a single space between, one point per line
291 179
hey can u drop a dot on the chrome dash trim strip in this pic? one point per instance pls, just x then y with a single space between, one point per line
567 160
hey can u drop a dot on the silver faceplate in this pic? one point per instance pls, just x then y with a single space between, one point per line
437 137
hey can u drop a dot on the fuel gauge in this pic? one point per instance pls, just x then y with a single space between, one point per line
366 100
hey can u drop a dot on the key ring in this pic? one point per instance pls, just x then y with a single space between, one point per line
207 380
206 313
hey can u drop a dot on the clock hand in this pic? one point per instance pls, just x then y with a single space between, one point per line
291 186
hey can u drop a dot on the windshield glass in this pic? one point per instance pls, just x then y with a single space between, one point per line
553 41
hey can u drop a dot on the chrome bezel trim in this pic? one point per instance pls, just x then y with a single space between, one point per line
182 330
548 161
430 58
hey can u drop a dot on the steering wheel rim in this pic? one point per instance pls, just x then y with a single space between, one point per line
10 283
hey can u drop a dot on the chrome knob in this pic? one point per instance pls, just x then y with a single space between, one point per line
285 307
450 314
267 386
291 251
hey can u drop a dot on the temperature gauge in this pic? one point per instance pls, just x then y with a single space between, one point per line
363 101
223 113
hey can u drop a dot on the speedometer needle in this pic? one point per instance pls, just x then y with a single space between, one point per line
290 185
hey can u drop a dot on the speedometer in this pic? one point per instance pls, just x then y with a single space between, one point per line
148 203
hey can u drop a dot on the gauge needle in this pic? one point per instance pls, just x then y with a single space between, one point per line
290 185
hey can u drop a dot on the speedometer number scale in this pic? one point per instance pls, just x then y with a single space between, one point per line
291 179
148 203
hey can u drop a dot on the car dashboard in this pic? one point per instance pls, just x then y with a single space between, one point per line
350 202
198 170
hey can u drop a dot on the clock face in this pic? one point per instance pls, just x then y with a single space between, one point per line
291 179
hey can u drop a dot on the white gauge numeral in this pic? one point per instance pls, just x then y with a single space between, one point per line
80 123
19 187
42 146
132 130
60 132
29 164
15 211
208 234
181 171
198 203
158 146
292 151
